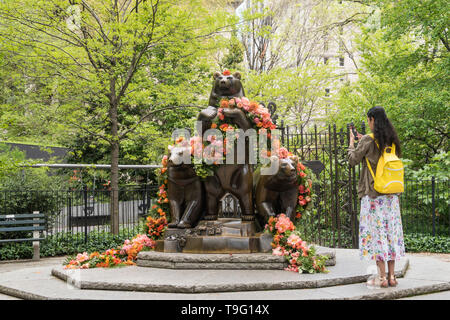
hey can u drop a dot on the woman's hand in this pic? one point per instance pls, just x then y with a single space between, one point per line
352 140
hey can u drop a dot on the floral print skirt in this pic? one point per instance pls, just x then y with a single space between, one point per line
380 229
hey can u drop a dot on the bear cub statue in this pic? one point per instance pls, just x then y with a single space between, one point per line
225 86
277 193
184 190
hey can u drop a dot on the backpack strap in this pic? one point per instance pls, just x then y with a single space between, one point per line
368 164
370 168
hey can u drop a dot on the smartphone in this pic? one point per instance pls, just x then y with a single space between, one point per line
355 133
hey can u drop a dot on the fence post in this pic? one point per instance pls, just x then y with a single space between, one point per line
36 245
433 203
85 213
69 208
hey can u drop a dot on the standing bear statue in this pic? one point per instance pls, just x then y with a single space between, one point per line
184 190
277 193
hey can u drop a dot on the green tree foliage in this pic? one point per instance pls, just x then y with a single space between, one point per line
114 65
298 92
405 68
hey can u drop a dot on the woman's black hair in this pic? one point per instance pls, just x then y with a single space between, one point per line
384 131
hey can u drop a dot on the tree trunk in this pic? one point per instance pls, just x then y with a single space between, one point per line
114 160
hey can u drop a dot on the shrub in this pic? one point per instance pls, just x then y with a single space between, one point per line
66 243
417 242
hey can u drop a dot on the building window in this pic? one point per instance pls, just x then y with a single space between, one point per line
341 61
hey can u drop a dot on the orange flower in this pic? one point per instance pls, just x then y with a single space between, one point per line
179 139
253 106
94 254
226 72
224 104
213 126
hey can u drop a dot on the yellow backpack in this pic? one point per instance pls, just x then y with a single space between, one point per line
390 171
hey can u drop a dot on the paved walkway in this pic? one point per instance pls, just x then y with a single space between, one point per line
426 273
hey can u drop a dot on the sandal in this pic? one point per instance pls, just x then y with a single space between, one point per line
392 280
377 281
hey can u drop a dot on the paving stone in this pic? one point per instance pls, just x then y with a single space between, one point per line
445 295
5 297
424 275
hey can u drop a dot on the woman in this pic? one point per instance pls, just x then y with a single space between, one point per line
380 226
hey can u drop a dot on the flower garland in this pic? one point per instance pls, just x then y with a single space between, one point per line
304 189
156 222
287 242
125 255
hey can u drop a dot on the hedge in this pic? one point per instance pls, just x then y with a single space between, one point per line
67 244
417 242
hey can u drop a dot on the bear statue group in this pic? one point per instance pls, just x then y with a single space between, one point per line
259 196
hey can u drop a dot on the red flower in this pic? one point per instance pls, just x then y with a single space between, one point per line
226 72
301 188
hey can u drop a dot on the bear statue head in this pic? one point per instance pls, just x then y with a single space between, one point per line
286 175
226 85
179 155
288 166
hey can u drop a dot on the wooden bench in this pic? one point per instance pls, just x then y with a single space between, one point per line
24 222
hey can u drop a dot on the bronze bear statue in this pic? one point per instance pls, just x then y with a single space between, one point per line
231 178
184 190
277 193
235 179
224 86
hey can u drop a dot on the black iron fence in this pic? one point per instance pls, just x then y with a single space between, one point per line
334 222
81 215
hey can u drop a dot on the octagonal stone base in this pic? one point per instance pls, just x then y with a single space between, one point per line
253 261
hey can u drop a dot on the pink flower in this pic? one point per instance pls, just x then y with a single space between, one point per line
82 257
283 153
284 223
293 240
278 251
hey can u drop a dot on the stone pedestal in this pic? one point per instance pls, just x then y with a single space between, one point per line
224 235
253 261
